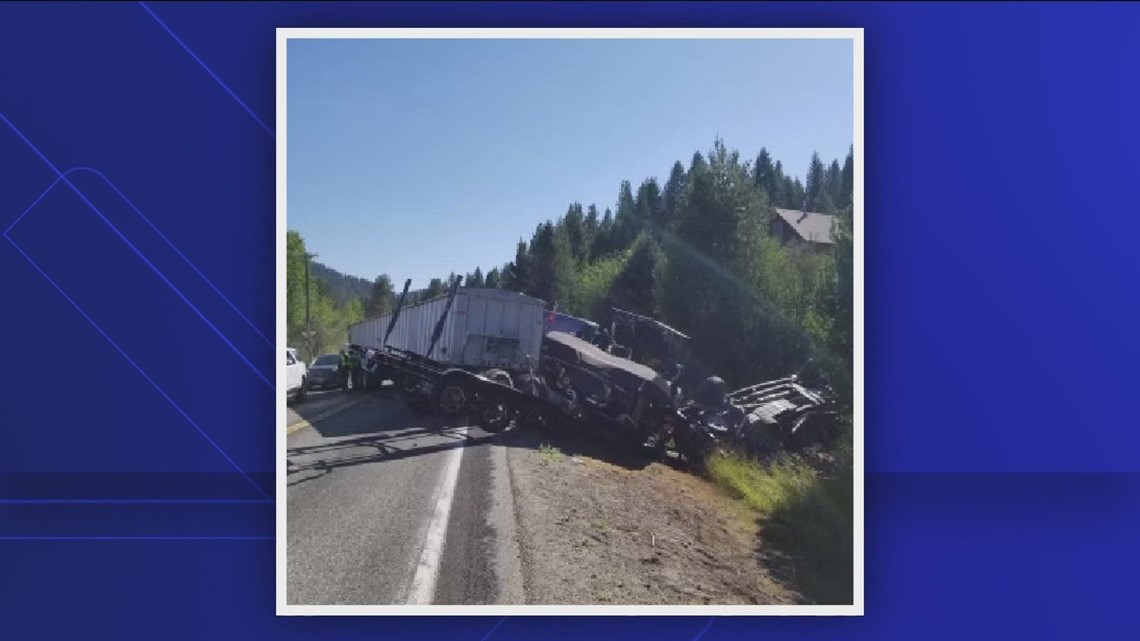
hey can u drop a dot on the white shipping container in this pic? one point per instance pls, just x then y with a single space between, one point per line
485 328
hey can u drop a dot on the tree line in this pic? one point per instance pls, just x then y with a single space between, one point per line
696 251
343 287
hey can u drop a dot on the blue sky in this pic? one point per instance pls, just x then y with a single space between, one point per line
416 158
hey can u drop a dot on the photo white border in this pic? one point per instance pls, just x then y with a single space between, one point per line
853 34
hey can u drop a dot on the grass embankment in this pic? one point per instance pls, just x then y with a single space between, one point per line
806 517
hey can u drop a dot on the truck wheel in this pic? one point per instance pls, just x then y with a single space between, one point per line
534 418
301 392
452 398
494 417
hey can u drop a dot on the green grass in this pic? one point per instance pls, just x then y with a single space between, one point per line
806 518
549 453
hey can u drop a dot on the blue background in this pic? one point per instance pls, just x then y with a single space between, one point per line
1002 492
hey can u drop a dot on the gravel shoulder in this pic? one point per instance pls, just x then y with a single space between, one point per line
595 530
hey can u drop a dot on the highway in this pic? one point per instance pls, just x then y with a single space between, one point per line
389 507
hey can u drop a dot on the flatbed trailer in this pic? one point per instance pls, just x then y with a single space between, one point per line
447 389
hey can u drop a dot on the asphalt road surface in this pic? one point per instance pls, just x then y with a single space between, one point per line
390 507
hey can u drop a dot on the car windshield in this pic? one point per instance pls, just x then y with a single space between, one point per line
327 359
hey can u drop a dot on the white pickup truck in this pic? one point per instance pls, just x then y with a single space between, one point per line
296 376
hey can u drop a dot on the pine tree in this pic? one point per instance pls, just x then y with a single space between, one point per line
589 232
764 174
847 194
816 179
552 266
382 299
625 219
697 163
648 204
833 188
435 289
673 193
603 244
520 278
637 288
574 224
781 194
494 278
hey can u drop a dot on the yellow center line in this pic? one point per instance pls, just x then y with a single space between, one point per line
303 423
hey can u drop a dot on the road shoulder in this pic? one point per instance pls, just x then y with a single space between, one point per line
593 531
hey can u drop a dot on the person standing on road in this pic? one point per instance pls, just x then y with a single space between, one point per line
354 370
603 340
342 369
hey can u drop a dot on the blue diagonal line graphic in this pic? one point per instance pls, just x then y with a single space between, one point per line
704 629
150 380
161 235
207 68
34 203
138 253
176 250
492 631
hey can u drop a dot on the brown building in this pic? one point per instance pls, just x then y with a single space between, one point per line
803 228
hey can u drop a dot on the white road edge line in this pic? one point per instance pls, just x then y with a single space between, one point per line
427 572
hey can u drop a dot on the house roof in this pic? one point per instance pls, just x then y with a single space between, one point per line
810 226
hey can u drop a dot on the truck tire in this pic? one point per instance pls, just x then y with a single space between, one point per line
300 398
452 397
538 418
494 417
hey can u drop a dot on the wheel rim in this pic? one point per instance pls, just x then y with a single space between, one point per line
452 399
494 414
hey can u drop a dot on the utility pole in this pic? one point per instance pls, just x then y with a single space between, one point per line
308 319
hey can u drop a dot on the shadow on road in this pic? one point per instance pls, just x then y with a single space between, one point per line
317 403
383 427
374 449
380 426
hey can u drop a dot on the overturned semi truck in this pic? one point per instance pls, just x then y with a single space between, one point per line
499 357
456 353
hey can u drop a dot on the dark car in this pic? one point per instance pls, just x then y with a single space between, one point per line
324 373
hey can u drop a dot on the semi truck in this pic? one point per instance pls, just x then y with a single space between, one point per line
481 329
457 353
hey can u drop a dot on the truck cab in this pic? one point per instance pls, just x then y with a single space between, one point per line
296 376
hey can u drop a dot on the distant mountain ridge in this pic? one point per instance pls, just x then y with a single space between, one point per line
342 287
345 288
